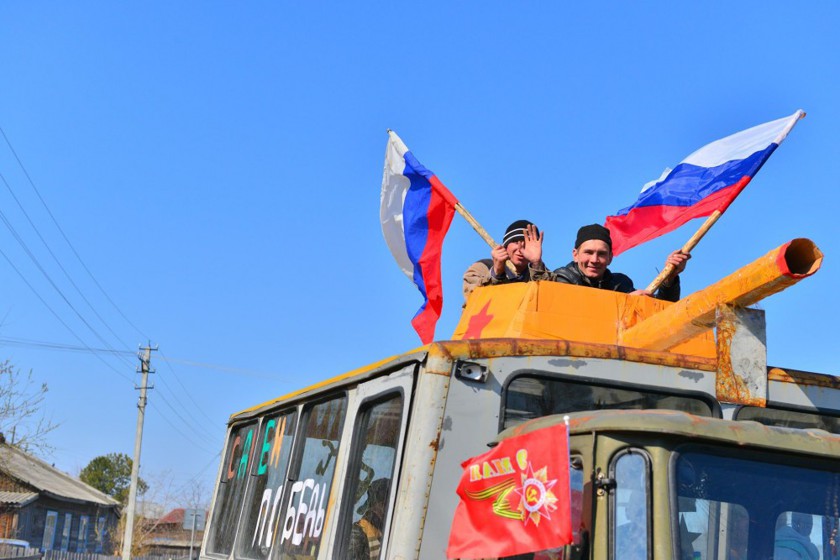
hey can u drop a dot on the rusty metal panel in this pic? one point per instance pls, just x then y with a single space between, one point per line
422 443
804 378
742 355
803 390
470 422
513 347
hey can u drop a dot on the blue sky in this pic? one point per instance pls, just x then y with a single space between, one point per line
217 167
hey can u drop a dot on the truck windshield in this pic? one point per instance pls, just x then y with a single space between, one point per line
750 509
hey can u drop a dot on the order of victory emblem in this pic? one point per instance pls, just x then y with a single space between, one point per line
537 499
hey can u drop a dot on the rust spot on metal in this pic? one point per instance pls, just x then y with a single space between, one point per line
439 359
434 443
803 378
506 347
726 383
729 386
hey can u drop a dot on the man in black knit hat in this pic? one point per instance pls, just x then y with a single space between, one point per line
522 247
593 254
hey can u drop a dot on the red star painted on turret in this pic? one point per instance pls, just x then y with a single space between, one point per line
478 322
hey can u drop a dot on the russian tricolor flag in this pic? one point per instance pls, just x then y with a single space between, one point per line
416 211
706 181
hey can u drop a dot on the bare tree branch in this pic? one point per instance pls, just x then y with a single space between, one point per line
22 421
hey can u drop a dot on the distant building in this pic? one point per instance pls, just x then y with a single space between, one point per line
51 509
169 538
147 509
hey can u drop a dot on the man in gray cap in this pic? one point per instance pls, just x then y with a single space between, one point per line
593 254
522 246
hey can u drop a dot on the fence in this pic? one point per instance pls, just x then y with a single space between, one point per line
21 553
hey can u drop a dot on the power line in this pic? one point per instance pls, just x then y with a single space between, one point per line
59 346
177 429
203 440
213 460
57 261
70 348
199 427
37 263
186 391
174 394
66 239
56 315
227 369
23 342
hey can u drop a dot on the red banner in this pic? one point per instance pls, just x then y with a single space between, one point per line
514 498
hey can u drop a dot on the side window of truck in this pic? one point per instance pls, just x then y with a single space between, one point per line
532 396
630 507
371 479
305 498
790 418
265 494
231 488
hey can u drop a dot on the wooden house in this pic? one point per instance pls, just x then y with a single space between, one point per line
51 509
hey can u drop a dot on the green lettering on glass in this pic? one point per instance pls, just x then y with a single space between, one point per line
266 447
246 451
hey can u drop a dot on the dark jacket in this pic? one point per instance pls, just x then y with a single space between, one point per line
617 282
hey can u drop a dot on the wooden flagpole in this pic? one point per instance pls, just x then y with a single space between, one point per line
687 248
481 232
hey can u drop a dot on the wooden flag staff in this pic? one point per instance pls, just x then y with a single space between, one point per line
482 232
687 248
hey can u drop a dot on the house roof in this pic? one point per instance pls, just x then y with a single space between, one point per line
47 479
174 516
17 498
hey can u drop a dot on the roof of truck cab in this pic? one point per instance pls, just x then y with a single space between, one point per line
685 426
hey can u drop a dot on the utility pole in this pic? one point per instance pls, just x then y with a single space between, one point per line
145 370
192 532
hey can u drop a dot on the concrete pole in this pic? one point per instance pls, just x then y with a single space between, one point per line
145 358
192 533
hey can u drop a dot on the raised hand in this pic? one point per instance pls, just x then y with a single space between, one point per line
532 249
